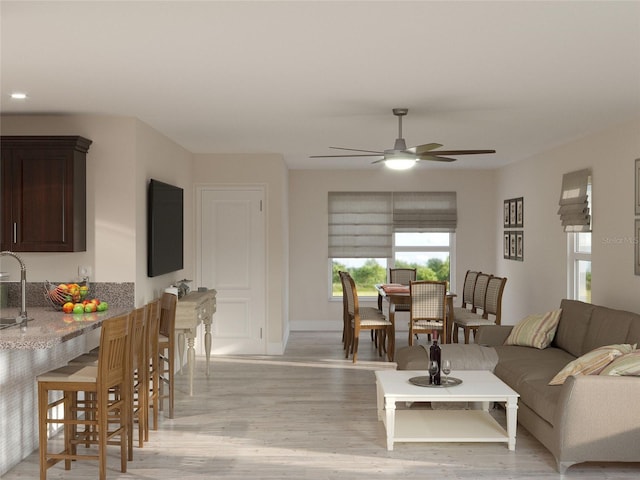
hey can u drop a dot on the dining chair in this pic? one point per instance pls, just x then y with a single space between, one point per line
491 313
428 308
366 318
166 350
403 276
104 411
345 313
470 279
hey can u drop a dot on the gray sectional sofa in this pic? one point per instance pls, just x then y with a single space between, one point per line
589 417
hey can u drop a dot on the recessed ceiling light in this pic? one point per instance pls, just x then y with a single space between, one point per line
18 96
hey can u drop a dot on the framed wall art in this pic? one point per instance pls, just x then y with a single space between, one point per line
637 197
512 245
636 246
506 214
506 250
520 246
519 212
512 212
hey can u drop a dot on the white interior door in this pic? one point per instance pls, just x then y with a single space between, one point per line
231 247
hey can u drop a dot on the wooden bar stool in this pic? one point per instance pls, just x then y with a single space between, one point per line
152 333
166 349
138 377
105 418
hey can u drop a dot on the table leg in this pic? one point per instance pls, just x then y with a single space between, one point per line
391 342
191 362
207 343
390 424
180 351
448 320
512 421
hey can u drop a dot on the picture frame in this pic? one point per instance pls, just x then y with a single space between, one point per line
512 245
637 197
519 212
506 214
520 246
512 212
505 248
636 245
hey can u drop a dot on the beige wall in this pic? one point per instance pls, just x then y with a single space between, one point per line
540 282
268 170
310 306
162 159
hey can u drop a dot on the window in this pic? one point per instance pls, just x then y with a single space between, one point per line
370 232
579 259
579 266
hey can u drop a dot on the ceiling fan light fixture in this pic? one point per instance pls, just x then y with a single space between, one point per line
400 163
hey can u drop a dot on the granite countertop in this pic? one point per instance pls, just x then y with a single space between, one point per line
50 327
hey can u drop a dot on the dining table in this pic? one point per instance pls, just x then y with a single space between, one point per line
400 295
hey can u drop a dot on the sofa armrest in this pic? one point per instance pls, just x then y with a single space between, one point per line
594 419
492 335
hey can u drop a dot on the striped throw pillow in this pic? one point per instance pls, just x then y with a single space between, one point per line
535 331
628 364
592 363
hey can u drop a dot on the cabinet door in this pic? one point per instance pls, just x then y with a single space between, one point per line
44 204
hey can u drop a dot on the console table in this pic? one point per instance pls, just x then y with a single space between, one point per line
192 310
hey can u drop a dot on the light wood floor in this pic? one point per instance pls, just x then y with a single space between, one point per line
307 415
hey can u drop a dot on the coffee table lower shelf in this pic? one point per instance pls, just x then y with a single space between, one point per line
447 426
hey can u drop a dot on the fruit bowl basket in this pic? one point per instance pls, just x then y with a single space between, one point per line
59 294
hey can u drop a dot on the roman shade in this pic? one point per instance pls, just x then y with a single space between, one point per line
574 201
424 212
361 224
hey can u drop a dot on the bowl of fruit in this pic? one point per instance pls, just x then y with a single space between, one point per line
73 298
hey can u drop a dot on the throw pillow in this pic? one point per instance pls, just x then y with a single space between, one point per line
535 331
592 363
628 364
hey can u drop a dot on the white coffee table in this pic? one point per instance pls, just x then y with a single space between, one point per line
426 425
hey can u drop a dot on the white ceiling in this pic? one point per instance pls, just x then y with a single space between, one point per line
296 77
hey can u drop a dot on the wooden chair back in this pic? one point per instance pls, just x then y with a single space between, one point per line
480 292
428 300
493 302
113 357
402 275
469 286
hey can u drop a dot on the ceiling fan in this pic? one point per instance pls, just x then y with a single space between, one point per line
400 157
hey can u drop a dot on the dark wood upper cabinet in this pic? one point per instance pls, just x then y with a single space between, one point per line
44 193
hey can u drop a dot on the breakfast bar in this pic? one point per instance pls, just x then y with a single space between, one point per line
50 340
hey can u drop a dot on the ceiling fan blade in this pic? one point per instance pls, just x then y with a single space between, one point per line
346 155
427 147
357 150
462 152
436 158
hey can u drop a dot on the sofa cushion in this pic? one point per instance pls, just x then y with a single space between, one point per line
609 326
591 363
628 364
462 356
528 371
535 331
573 326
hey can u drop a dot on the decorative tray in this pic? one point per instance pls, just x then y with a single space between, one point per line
425 381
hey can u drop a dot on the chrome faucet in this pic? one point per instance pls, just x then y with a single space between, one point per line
22 316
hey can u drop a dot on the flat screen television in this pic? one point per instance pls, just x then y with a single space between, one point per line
164 228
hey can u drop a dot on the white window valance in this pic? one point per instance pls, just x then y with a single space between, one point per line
574 201
361 224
